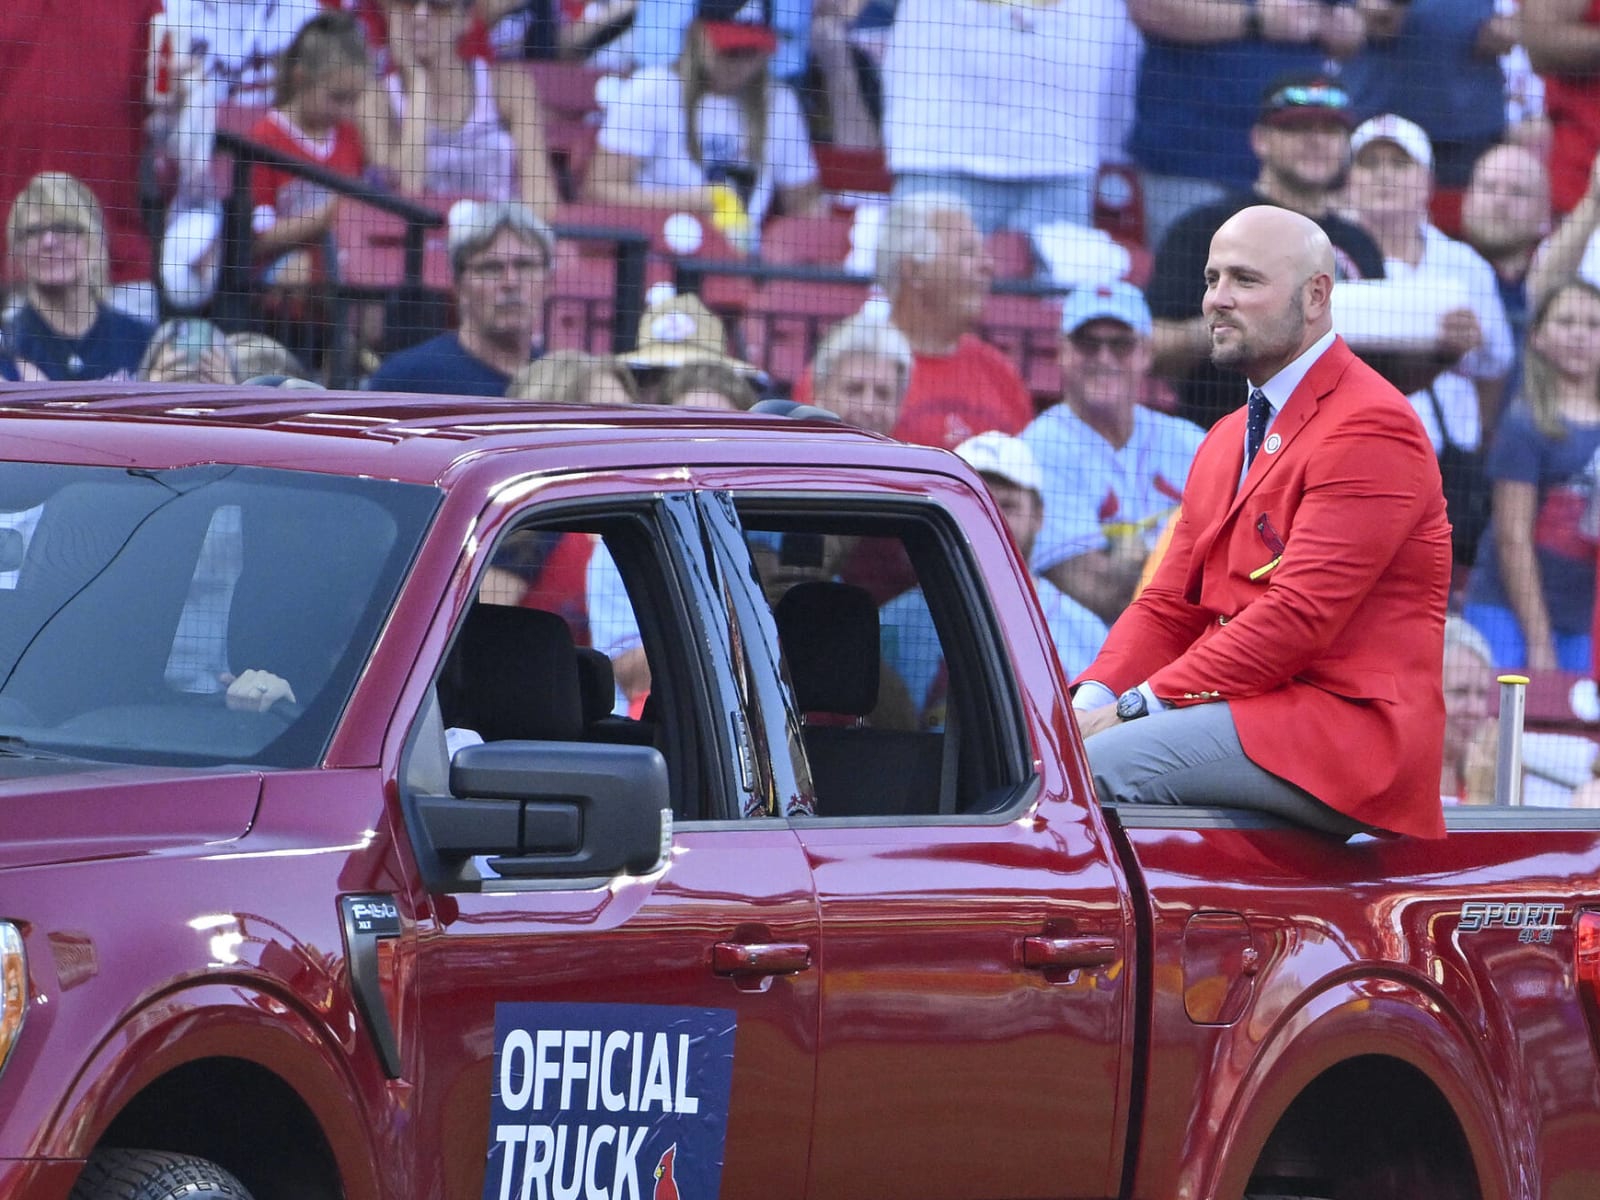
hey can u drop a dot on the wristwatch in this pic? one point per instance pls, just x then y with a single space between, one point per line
1131 705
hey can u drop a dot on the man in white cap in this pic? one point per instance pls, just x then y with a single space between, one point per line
1112 469
1391 179
1015 482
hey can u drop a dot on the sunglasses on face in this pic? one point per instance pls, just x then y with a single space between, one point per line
1089 345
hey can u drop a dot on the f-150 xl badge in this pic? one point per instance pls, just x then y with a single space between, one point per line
1533 922
608 1102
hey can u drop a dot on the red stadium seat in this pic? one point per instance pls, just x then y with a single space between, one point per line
1011 251
821 241
1119 203
853 169
786 318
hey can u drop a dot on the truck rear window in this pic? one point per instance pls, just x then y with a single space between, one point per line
130 598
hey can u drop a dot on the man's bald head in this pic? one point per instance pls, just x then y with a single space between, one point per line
1269 283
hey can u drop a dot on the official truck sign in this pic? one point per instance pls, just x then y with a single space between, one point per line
608 1102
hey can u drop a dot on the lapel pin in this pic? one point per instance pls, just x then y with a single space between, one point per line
1272 443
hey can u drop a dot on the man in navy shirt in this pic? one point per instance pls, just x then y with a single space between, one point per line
500 255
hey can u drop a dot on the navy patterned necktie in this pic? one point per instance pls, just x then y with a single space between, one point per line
1256 427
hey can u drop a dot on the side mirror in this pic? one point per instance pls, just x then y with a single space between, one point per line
544 810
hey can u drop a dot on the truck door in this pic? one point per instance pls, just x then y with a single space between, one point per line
975 928
650 1033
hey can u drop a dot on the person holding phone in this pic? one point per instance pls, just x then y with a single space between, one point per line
188 350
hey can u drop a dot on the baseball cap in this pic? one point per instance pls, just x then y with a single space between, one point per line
1406 134
680 329
1300 98
1117 301
734 25
1001 454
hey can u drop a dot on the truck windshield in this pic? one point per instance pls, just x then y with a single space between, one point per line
130 600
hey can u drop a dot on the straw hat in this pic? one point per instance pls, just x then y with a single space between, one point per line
678 330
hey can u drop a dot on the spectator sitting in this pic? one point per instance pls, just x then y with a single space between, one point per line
861 372
574 377
500 255
656 37
1003 106
716 136
1467 770
256 354
1505 215
1017 485
934 269
453 126
1302 139
1112 469
1199 82
321 81
709 385
188 350
677 330
1532 590
57 242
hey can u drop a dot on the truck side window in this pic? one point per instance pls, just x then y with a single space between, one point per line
905 704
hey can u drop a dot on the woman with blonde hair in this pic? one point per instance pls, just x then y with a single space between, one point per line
574 377
56 239
717 135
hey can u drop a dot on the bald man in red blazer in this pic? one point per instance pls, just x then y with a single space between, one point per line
1287 656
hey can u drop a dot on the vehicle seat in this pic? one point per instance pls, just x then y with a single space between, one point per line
597 681
829 633
513 675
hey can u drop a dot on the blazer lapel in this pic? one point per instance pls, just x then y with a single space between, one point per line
1299 410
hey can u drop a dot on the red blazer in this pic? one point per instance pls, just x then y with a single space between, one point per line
1312 598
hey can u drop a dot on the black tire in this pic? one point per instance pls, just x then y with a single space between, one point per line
154 1175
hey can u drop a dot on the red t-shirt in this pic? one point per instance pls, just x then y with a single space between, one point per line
954 396
281 191
1572 103
72 97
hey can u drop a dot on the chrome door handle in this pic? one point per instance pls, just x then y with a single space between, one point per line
1046 952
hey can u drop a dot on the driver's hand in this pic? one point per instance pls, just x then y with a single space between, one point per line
255 690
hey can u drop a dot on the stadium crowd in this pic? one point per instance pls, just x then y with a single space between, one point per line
975 224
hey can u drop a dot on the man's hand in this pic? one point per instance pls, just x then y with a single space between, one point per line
256 690
1092 720
1459 332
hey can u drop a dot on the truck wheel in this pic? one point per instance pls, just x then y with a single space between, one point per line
154 1175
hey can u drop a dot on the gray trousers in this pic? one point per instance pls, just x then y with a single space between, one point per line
1193 756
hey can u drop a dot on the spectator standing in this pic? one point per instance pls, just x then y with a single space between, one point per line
500 256
1563 42
1112 470
1437 64
861 372
1199 85
1011 107
1505 215
1302 139
716 135
1532 590
932 265
56 238
1389 189
910 643
457 126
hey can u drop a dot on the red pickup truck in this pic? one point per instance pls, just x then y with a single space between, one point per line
430 798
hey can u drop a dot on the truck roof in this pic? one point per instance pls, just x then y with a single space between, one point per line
408 438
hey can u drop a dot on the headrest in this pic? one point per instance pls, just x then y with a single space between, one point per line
597 683
513 674
829 633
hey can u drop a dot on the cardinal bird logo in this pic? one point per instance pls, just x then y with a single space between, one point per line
666 1185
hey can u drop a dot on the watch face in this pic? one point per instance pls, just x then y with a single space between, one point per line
1131 704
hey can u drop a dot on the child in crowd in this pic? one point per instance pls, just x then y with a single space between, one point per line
320 85
1532 590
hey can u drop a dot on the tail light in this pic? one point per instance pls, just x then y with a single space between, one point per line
1586 951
